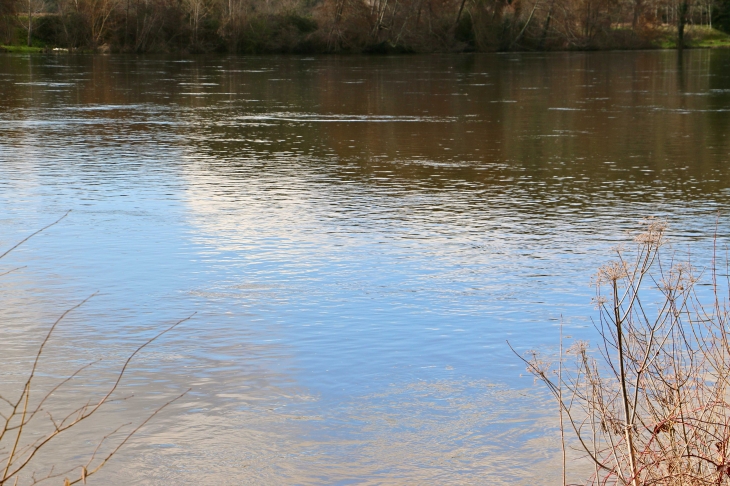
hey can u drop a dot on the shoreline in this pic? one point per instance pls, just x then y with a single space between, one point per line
5 49
316 41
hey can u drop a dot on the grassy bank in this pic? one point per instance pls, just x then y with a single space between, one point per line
695 37
21 49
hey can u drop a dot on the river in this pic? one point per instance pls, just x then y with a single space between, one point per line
357 237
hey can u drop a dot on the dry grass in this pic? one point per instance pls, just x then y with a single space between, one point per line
650 405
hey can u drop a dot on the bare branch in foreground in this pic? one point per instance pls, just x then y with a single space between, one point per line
19 457
653 407
32 235
22 435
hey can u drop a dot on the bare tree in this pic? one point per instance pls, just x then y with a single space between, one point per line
99 13
197 11
32 7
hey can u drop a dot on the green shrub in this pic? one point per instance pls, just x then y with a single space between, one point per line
48 30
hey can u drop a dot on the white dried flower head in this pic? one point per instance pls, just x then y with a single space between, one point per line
578 348
678 278
653 234
599 301
611 272
537 365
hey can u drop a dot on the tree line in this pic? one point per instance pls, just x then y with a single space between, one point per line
308 26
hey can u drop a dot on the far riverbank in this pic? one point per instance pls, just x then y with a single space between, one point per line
361 26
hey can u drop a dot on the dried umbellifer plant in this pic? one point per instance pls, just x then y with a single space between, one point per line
650 406
20 416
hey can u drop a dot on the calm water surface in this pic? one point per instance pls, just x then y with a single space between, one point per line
359 236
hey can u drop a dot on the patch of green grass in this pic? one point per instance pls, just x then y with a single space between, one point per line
716 39
694 37
21 49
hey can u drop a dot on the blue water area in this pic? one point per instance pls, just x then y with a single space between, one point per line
358 237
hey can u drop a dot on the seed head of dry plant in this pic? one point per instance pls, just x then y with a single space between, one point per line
650 406
28 426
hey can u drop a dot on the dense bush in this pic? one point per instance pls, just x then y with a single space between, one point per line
285 33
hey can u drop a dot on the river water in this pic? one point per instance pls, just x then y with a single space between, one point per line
358 238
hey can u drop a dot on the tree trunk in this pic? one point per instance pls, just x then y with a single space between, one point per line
709 14
681 21
30 22
519 36
126 26
546 28
458 16
638 5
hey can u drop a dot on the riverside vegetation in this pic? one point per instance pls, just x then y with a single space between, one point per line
650 405
307 26
32 422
